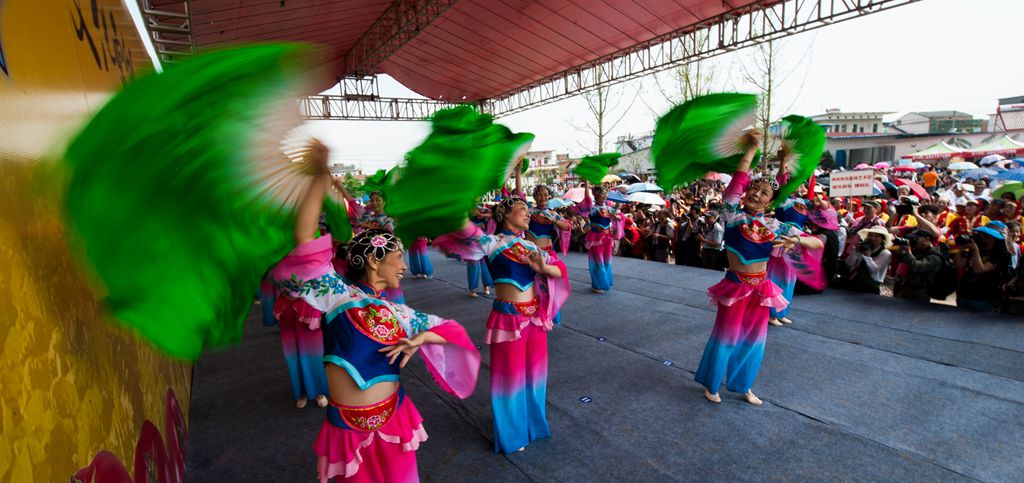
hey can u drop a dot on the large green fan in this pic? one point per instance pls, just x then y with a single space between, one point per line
805 140
465 156
702 135
375 183
178 198
593 168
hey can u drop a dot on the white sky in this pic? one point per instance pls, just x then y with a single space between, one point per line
928 56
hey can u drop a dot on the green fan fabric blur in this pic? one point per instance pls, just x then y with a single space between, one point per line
805 140
178 198
593 168
702 135
465 156
375 182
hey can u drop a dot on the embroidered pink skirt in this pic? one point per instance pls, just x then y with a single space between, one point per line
374 443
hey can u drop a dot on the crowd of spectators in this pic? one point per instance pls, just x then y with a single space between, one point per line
951 241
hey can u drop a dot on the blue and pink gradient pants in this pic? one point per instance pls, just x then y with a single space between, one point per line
519 376
736 346
304 355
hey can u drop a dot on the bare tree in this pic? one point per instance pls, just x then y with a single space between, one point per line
765 71
603 103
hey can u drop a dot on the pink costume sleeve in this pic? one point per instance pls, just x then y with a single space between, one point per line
492 226
806 262
564 237
454 365
583 207
306 266
355 210
739 183
552 292
464 244
782 177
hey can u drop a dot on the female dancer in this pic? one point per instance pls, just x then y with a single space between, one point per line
737 340
419 261
531 287
794 212
372 429
601 234
476 270
543 223
373 218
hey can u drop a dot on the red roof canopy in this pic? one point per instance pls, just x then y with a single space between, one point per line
476 49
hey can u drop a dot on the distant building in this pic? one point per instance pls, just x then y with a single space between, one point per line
636 154
543 167
341 169
837 121
939 122
1009 115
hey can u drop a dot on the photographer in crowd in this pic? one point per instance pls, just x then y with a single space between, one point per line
869 260
984 261
918 263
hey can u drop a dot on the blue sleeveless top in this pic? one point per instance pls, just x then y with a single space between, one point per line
793 211
542 229
750 239
510 263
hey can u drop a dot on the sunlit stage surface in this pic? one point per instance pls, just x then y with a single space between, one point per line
859 388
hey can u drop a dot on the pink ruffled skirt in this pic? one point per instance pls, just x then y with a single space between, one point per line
509 319
737 286
374 443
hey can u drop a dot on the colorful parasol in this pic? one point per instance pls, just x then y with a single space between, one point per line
702 135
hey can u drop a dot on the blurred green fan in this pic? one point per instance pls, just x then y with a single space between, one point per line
804 140
178 197
465 156
702 135
594 168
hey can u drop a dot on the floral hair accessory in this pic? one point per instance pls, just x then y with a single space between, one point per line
371 243
505 206
772 182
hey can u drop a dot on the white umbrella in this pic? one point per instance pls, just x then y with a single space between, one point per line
918 165
962 165
646 198
644 187
725 178
990 160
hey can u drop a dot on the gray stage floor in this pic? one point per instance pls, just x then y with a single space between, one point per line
859 388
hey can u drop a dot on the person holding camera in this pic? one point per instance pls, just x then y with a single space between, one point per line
984 262
870 260
919 261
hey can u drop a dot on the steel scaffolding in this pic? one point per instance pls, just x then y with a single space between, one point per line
170 29
738 28
402 21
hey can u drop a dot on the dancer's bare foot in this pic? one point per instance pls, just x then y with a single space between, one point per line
473 294
487 290
774 321
301 403
321 401
520 450
596 290
715 398
752 399
785 320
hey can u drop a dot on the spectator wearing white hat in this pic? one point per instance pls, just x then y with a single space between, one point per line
870 260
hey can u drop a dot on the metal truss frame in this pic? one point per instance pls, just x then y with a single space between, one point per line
402 21
340 108
170 29
738 28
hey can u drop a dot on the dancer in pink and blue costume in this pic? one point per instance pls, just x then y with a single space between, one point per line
372 428
476 270
419 260
736 346
545 226
603 225
371 217
531 287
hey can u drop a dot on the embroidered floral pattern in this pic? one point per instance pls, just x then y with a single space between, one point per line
517 253
329 283
756 232
378 322
370 418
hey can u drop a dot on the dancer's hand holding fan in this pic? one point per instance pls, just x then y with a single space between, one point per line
702 135
803 142
190 160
